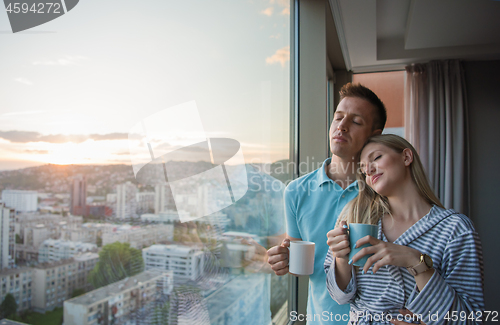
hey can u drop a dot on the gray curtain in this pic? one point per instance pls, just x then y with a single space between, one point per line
436 124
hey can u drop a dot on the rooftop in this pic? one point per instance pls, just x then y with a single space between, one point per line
85 256
172 248
49 265
4 272
118 287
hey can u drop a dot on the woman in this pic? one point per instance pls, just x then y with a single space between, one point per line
426 259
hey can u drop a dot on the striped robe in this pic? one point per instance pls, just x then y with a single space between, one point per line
455 289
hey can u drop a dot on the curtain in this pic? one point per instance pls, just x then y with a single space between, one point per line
436 125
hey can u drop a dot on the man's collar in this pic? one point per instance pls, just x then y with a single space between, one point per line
323 177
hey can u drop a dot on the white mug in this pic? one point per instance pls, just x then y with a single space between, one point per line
301 258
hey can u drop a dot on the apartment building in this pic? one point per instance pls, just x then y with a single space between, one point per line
7 236
34 228
139 237
55 281
26 253
126 201
237 248
168 216
185 262
145 202
19 283
125 301
82 234
57 249
22 201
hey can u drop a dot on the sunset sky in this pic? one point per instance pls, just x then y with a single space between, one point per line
72 89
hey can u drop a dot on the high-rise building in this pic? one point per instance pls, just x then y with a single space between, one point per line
185 262
160 198
79 195
21 201
7 237
126 201
145 202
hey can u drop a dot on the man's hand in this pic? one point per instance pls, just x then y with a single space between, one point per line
278 257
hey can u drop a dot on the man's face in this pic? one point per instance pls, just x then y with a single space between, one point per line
352 125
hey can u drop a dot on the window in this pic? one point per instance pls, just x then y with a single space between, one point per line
229 66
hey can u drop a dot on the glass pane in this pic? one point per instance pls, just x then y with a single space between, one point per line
144 147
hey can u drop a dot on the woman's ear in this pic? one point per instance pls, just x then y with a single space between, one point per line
407 156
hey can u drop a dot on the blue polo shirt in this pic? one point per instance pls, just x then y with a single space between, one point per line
312 204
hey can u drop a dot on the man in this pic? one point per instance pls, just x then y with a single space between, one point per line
313 201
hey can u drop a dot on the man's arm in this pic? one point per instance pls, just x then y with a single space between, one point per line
278 256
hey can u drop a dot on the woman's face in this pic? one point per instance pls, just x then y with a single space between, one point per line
385 169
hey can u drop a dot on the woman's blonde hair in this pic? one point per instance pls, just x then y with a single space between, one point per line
369 206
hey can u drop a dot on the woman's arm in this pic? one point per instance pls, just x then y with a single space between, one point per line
457 291
339 274
438 298
342 295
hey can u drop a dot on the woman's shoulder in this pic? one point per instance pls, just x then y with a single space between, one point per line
449 220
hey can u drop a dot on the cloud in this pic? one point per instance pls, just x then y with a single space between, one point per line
38 152
23 113
28 136
280 56
268 11
67 60
109 136
283 3
24 81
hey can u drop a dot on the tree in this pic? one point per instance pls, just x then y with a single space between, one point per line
116 261
8 308
98 241
77 292
18 239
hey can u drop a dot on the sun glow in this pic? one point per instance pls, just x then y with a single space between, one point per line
88 152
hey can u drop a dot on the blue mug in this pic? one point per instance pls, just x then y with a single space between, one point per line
356 232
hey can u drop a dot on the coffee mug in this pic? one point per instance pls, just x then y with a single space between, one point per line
301 258
356 232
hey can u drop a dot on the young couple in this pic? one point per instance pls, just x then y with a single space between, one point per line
426 262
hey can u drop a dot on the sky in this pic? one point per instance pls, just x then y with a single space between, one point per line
73 90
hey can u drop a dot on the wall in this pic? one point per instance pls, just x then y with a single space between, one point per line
483 82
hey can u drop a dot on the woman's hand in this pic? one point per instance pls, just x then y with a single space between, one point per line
338 240
385 253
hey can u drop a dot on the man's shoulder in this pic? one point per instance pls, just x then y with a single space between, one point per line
303 181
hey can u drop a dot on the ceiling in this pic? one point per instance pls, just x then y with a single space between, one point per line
384 35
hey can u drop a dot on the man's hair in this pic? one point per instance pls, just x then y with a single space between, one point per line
360 91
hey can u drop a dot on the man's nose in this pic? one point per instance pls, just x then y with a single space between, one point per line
342 126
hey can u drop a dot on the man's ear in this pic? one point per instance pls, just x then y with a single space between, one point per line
377 132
